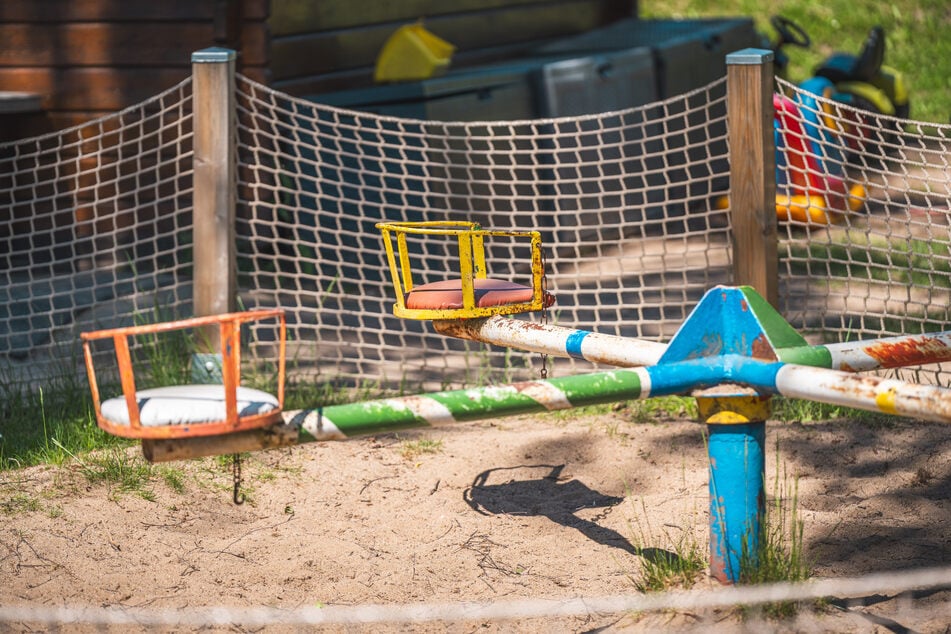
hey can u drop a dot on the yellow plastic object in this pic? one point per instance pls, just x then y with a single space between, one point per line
471 238
412 53
817 210
813 209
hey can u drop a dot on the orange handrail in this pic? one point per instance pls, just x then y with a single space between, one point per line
229 327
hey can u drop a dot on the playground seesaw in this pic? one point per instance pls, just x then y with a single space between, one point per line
733 353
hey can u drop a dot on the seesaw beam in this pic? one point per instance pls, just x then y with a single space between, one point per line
621 352
626 352
339 422
734 352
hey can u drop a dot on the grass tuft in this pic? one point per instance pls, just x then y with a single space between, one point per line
49 425
653 409
412 449
679 561
173 477
123 472
792 410
780 556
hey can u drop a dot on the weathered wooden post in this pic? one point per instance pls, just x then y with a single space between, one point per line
215 281
736 416
752 170
213 222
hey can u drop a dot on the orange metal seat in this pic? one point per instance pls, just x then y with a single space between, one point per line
181 411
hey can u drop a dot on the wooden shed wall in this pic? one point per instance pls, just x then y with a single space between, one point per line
86 58
323 45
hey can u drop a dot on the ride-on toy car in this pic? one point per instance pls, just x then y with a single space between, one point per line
815 140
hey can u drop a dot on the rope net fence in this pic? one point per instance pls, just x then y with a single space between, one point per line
877 262
621 199
851 596
95 231
95 226
632 206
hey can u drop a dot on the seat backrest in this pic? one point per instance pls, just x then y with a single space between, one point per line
187 410
470 293
865 66
870 59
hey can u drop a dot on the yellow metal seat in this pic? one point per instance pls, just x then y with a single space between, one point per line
472 294
182 411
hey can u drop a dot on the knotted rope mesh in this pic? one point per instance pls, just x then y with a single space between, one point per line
622 199
880 265
95 231
95 225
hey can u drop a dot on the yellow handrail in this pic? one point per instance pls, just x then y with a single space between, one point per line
471 266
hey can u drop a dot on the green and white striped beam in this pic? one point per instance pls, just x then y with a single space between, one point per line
339 422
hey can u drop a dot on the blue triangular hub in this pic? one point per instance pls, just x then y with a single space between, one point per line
732 320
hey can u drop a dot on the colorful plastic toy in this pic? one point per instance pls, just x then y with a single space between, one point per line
813 147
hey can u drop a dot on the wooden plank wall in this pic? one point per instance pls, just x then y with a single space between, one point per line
86 58
89 58
83 203
324 45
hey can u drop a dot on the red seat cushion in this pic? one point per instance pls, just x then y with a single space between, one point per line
488 292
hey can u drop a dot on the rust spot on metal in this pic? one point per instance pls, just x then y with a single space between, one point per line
845 367
856 385
416 400
762 349
522 386
892 354
744 306
610 359
530 325
454 327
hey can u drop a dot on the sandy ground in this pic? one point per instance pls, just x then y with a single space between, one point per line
545 507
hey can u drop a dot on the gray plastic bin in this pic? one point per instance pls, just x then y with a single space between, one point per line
687 53
597 83
485 93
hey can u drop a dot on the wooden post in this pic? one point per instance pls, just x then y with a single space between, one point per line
215 278
215 284
753 171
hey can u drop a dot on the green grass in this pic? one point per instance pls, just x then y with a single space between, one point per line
794 410
780 556
917 40
20 503
413 449
924 263
650 410
173 477
122 471
671 559
49 425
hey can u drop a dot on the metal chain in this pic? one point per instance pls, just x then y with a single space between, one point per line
544 370
602 515
236 476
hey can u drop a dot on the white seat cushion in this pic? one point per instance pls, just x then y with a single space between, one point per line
187 404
